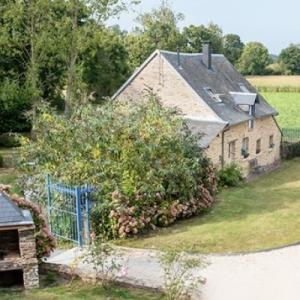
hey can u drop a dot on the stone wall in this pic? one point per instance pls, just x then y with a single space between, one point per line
263 129
26 260
29 260
169 86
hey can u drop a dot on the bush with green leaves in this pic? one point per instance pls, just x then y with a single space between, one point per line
230 175
1 161
144 163
181 274
15 101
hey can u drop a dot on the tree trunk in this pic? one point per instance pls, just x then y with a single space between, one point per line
71 76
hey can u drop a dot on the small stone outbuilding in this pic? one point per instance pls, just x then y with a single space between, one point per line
18 261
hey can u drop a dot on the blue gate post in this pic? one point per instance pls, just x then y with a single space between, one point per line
79 216
49 200
87 212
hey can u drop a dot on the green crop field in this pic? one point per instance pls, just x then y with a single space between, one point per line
283 93
288 107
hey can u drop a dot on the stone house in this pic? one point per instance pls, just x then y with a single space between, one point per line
235 122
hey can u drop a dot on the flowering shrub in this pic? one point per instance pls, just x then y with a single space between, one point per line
45 242
143 161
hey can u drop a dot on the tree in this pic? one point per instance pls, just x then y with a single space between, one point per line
81 12
232 47
195 36
290 57
157 29
104 62
254 59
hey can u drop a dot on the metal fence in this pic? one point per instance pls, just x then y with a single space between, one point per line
69 211
291 135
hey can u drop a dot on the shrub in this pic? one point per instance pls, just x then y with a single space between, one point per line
290 150
141 158
231 175
1 161
180 282
8 140
105 261
45 241
15 101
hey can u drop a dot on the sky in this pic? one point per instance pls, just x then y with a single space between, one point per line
275 23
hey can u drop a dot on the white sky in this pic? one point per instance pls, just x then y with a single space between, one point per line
274 23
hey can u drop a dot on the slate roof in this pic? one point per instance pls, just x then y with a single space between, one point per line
223 78
11 214
208 130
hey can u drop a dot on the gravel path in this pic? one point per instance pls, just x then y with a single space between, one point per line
273 275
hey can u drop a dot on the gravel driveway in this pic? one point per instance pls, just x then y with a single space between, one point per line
273 275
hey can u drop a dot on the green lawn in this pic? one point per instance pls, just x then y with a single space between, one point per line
79 290
260 215
9 176
288 106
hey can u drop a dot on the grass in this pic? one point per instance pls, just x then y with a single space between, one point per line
288 107
260 215
79 290
9 176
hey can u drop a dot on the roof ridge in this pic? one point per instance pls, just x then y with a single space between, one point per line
189 53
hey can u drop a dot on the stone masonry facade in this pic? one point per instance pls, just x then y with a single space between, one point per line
169 86
265 130
26 259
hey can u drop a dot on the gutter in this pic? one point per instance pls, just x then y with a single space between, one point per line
223 147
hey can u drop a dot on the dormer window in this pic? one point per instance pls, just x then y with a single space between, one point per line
213 95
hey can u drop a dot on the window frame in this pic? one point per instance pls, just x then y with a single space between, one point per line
245 147
232 150
210 92
258 146
271 141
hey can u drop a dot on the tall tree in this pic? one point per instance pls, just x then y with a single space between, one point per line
195 36
82 12
104 62
290 57
254 59
232 47
157 29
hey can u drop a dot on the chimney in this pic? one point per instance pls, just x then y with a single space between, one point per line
206 52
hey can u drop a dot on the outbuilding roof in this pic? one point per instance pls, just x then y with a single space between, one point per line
207 130
11 214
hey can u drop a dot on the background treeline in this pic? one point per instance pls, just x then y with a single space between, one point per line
62 52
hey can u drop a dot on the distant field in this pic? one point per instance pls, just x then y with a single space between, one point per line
288 107
276 83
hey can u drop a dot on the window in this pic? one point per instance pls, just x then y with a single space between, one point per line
271 141
245 147
231 150
212 95
258 146
243 88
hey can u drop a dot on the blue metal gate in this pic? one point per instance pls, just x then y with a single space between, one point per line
69 211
